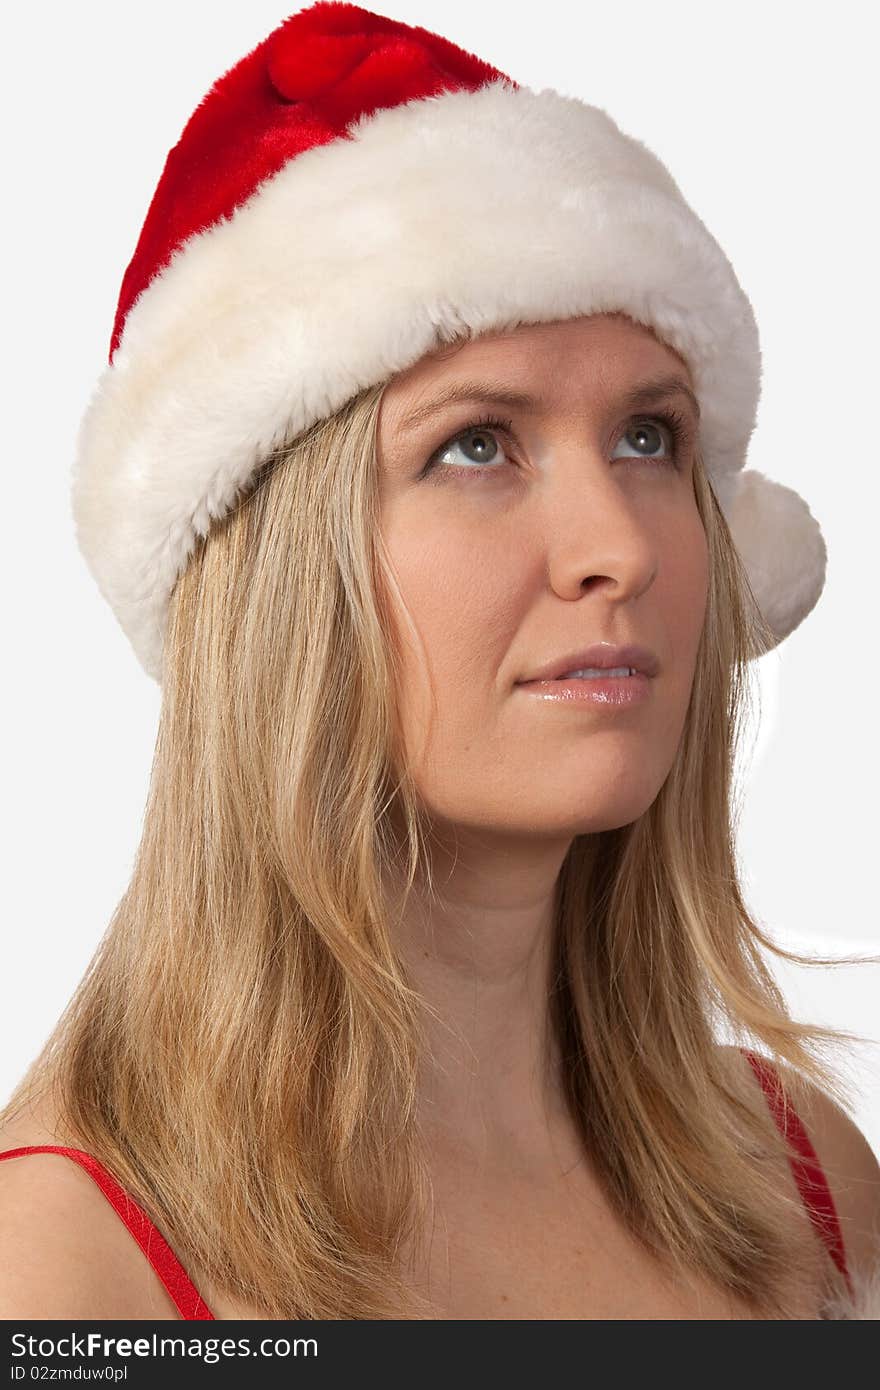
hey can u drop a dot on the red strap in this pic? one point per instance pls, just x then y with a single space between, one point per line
154 1245
807 1170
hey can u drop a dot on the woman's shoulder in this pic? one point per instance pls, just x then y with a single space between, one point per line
853 1174
64 1251
851 1169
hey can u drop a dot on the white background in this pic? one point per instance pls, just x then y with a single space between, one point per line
766 117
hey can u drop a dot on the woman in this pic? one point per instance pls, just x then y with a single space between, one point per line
412 1006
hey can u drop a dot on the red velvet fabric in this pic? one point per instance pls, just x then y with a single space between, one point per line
300 87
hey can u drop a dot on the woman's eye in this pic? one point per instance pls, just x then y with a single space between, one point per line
646 439
477 444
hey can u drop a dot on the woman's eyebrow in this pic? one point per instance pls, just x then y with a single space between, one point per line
643 393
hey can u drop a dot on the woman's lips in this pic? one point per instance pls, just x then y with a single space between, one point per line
609 692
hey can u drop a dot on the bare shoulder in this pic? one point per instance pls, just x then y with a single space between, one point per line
64 1251
851 1168
853 1174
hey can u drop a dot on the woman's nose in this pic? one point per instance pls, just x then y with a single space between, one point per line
597 528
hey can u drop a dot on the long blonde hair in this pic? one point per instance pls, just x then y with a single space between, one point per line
242 1051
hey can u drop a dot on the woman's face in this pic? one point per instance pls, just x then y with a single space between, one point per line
534 541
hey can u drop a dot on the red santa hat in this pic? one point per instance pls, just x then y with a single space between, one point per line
350 195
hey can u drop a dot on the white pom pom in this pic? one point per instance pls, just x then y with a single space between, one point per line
781 545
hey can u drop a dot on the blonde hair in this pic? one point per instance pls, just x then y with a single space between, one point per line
242 1051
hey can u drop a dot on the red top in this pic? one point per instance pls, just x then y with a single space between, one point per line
807 1170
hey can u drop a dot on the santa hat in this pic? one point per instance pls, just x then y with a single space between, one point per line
349 196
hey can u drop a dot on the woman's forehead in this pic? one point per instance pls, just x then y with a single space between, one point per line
608 346
536 368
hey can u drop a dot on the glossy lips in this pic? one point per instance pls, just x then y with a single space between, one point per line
600 654
611 692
